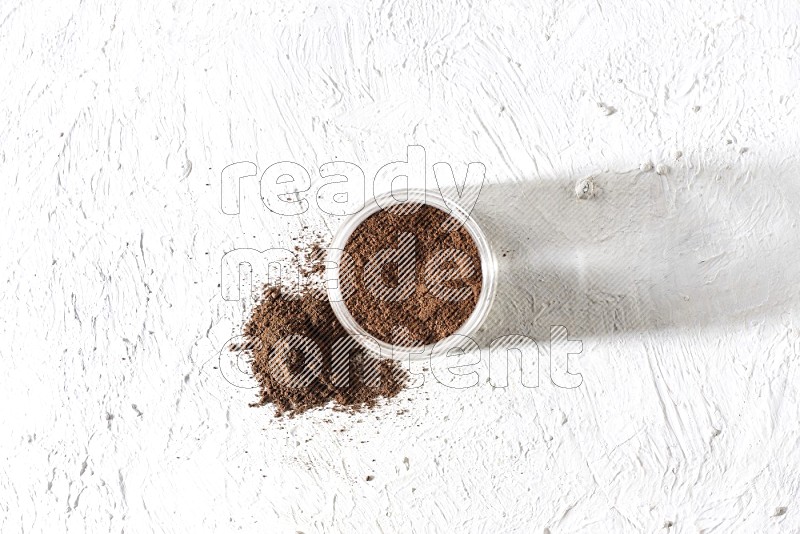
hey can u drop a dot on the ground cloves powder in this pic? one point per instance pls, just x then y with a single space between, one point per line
412 274
412 269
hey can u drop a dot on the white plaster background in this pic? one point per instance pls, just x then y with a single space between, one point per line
116 119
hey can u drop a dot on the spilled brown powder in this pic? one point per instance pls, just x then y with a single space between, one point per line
442 280
301 378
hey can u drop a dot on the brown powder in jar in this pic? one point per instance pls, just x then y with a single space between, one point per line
301 378
413 267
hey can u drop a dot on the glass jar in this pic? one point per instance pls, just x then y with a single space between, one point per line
460 339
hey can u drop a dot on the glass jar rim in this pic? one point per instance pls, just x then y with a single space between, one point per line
457 340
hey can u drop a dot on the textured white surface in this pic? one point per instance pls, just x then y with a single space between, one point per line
680 276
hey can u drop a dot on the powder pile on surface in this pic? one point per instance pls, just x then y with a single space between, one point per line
432 288
323 365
